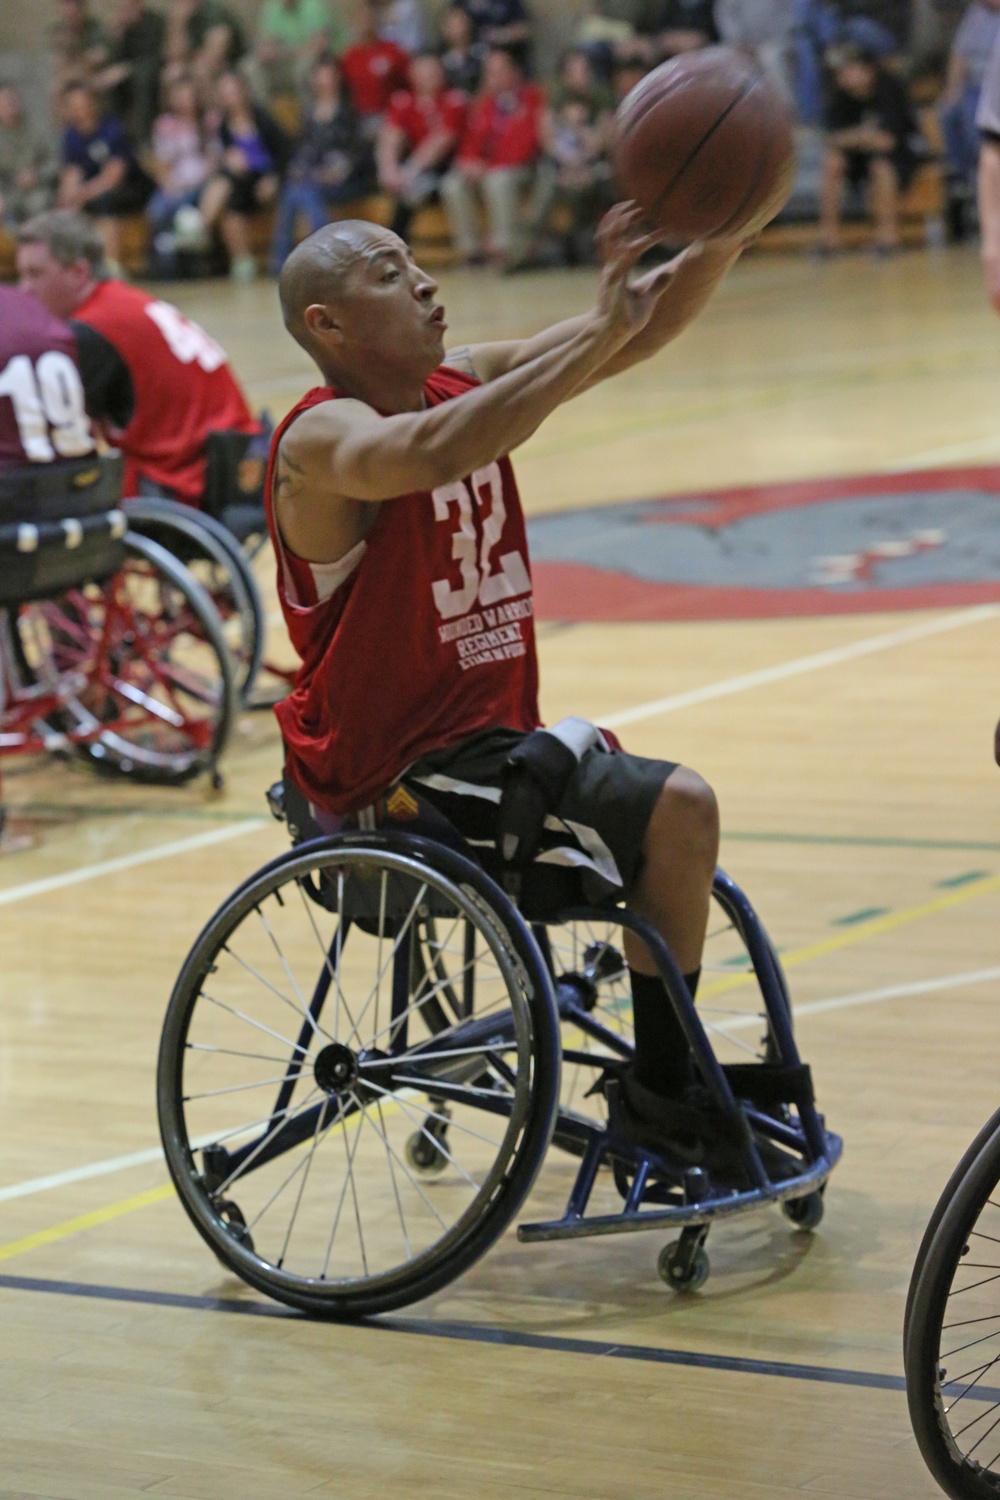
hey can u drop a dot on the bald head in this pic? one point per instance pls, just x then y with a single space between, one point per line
318 270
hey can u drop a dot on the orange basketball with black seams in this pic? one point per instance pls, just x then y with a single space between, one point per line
704 144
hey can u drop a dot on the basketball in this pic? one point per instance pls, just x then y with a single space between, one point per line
704 144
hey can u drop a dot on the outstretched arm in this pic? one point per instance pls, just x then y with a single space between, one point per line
694 276
341 454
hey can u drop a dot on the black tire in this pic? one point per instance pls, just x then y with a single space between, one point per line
948 1192
65 635
218 562
202 1009
962 1451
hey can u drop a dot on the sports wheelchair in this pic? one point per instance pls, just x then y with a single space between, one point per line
108 647
218 541
369 1052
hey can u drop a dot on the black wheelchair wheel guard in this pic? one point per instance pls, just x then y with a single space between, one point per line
490 1084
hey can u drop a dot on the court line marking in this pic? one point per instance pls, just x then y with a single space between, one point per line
154 1154
128 861
476 1333
68 1227
800 665
864 930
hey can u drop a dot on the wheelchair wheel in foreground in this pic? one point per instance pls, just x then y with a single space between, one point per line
335 1144
951 1187
215 559
141 664
952 1353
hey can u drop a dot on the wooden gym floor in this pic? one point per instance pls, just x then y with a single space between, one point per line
860 807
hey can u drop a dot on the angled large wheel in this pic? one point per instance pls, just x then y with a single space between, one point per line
343 1131
952 1349
140 663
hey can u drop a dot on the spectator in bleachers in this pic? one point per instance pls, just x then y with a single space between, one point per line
967 64
606 31
332 162
880 27
100 175
78 41
574 171
419 134
28 167
181 167
291 35
872 143
988 185
251 152
763 28
461 55
674 26
205 38
402 22
501 23
626 75
373 69
131 77
495 164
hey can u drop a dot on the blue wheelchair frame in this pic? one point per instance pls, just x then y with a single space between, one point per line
657 1193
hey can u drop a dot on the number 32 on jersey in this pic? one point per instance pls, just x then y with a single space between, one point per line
480 584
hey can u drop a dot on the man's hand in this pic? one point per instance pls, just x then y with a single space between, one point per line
624 302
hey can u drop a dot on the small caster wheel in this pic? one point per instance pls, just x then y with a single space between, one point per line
232 1216
425 1155
682 1271
805 1213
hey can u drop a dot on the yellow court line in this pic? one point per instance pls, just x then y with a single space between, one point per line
85 1221
858 934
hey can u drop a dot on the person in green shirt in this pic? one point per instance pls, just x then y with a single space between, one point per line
291 35
28 166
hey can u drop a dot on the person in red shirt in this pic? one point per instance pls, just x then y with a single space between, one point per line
155 380
373 68
496 159
404 580
417 140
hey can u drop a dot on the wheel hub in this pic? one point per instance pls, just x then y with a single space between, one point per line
336 1068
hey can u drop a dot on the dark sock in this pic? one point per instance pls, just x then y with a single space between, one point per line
663 1061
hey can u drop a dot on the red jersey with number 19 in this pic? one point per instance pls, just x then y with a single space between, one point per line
420 636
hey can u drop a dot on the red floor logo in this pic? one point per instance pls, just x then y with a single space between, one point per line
842 546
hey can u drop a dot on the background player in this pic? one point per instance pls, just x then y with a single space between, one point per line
157 381
414 618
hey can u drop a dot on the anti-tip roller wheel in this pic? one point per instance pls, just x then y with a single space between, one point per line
680 1271
805 1213
424 1154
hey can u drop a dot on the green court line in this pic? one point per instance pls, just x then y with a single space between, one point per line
966 879
861 916
858 841
225 815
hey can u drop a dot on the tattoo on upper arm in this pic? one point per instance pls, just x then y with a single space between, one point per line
290 480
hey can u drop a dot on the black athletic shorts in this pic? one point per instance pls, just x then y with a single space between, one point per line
592 846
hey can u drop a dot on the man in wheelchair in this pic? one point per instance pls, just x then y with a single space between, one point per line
161 388
404 580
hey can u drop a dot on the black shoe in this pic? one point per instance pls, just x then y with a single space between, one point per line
689 1131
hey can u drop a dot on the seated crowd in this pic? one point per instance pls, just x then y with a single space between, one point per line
184 117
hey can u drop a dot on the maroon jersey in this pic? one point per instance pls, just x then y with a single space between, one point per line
42 413
421 635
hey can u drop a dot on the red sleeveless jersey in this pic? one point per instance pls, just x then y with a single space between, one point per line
184 388
42 414
421 635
